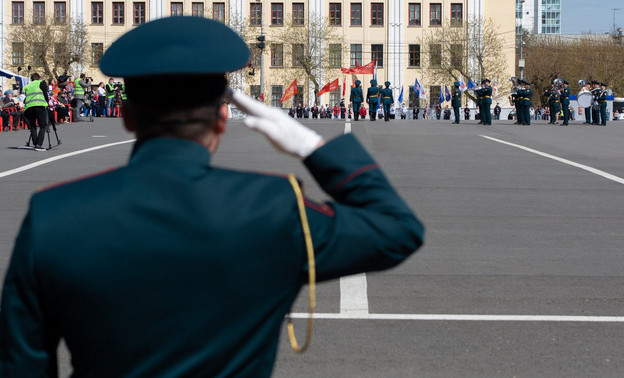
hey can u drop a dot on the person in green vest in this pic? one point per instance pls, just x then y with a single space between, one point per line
372 99
172 266
81 86
456 101
110 97
356 97
387 99
35 109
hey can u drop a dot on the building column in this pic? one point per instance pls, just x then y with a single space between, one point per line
395 47
315 14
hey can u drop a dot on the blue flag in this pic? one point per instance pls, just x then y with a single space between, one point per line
470 84
441 96
416 86
447 94
401 95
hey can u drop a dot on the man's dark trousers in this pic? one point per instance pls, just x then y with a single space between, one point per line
37 116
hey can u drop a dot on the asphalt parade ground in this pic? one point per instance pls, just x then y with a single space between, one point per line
522 274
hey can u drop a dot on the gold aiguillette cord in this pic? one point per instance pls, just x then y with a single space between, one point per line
311 272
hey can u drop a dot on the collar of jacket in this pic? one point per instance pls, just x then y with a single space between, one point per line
171 150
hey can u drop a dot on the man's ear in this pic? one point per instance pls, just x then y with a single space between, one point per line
221 122
127 119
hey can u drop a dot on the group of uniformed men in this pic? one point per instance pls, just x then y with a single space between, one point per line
598 110
375 96
522 101
559 95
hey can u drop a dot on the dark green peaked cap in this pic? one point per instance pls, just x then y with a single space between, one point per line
176 46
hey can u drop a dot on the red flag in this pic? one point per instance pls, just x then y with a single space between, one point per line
367 69
331 86
262 97
290 91
344 86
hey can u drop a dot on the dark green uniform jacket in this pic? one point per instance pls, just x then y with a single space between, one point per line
356 94
372 95
170 267
386 96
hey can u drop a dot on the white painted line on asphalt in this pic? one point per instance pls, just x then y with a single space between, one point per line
466 317
354 295
347 128
58 157
565 161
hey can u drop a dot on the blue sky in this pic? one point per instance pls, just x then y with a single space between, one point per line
582 16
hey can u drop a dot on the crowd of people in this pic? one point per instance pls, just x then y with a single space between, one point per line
67 101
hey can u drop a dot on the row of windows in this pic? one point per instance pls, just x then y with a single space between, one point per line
336 14
118 12
60 12
355 55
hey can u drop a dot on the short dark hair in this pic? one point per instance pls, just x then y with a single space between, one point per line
35 76
182 117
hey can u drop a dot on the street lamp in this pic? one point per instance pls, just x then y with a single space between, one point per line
521 60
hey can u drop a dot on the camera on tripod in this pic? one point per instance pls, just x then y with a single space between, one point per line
118 86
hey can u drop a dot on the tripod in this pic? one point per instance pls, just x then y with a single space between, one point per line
47 126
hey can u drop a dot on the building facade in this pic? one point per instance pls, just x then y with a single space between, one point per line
396 34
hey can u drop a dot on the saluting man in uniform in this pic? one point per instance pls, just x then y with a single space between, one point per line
565 102
387 99
456 101
356 97
170 266
372 99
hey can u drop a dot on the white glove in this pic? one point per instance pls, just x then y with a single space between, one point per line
284 132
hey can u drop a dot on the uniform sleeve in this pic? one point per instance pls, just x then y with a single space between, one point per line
27 346
368 226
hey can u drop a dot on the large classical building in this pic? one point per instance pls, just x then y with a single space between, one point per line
405 38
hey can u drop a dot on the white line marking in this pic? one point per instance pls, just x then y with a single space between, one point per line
354 295
565 161
464 317
347 128
58 157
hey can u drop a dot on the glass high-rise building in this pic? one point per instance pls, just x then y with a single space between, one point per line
539 16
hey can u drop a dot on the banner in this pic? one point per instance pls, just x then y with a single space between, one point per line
344 86
471 84
495 87
290 91
447 94
401 96
441 96
331 86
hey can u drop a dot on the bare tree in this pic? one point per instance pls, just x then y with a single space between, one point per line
312 50
474 50
592 57
53 45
